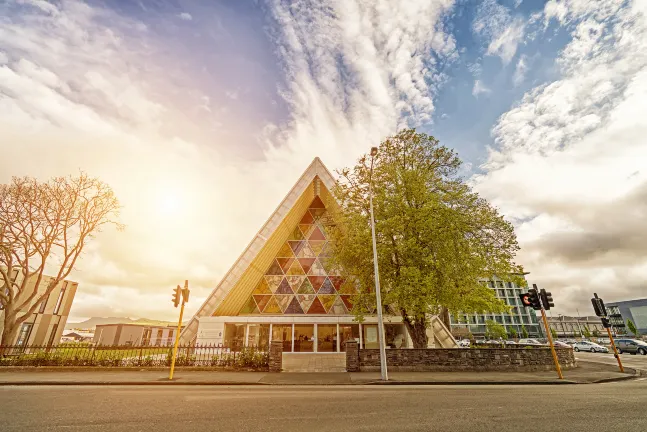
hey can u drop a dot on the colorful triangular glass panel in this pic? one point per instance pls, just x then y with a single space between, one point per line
306 263
317 281
273 282
250 307
262 300
275 269
327 301
306 230
317 234
295 282
262 288
338 307
295 269
285 263
347 301
285 251
316 307
317 203
283 301
306 288
297 245
294 307
327 288
305 300
326 252
337 281
296 234
317 269
317 214
272 307
317 246
307 218
306 252
284 288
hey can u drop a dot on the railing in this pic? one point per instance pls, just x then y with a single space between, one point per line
79 354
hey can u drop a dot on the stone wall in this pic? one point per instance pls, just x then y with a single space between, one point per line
276 356
460 359
352 356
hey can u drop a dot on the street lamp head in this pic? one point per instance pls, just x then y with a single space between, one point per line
373 151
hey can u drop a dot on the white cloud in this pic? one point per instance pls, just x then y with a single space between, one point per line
569 166
79 90
520 70
185 16
499 29
480 88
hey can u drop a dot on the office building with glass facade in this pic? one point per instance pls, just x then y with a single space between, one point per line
517 318
634 310
283 288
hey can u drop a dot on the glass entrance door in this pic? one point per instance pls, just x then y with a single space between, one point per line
304 337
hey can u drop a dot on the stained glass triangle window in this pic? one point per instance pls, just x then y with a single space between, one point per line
317 203
316 307
317 281
305 300
347 301
317 234
307 218
284 288
285 263
295 269
338 307
285 251
327 301
272 307
296 234
296 246
273 282
317 246
306 263
250 307
295 282
305 251
283 301
327 288
262 300
275 269
317 269
306 287
294 307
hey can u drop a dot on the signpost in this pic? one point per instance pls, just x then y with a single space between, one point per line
179 295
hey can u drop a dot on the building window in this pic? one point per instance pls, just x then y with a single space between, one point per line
501 293
499 284
280 332
235 336
510 285
146 338
258 335
326 338
59 301
169 339
510 293
23 336
491 284
158 340
52 335
348 332
43 305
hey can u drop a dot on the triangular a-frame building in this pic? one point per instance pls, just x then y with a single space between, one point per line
283 288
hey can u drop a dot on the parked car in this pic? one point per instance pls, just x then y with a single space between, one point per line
631 346
510 342
604 341
529 342
560 344
589 346
465 343
494 342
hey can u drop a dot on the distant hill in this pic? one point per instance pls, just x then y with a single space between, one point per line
91 323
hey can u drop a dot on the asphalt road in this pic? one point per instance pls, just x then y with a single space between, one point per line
628 360
590 407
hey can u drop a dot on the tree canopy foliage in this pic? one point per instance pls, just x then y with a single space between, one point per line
44 227
437 240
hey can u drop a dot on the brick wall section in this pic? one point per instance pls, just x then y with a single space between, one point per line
276 356
352 356
464 359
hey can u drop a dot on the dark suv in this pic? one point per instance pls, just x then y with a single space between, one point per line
631 346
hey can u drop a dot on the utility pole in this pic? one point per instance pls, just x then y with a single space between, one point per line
378 294
183 295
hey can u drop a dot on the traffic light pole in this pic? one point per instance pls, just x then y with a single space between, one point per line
550 341
177 340
615 350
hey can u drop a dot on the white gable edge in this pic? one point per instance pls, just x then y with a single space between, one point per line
316 168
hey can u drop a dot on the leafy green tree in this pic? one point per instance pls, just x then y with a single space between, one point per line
524 332
494 330
596 333
513 333
553 333
436 238
586 332
632 328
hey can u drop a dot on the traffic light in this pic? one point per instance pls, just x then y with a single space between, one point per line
606 323
546 299
531 299
598 306
177 293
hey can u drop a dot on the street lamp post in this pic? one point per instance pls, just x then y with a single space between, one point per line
378 295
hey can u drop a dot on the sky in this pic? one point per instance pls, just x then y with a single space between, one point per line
202 115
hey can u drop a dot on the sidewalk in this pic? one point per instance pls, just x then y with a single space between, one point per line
587 373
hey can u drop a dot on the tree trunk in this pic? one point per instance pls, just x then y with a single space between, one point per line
444 317
9 331
417 328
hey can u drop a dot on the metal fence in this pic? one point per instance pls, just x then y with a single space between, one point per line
79 354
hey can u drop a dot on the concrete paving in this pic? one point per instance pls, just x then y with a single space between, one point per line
628 360
617 406
588 373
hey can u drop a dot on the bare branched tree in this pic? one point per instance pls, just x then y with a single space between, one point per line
44 226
